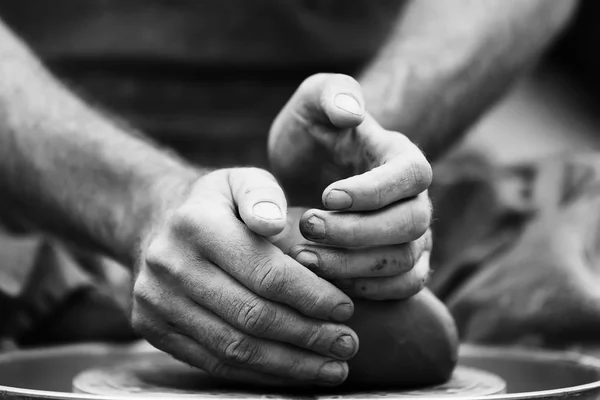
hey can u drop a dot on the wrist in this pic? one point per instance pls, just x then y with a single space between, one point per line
158 197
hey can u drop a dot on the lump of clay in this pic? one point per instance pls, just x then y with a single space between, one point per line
403 343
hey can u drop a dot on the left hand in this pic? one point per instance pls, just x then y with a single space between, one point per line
373 239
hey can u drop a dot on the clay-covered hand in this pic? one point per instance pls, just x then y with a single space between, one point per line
372 238
211 291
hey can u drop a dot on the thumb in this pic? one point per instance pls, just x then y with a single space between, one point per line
259 199
333 100
321 108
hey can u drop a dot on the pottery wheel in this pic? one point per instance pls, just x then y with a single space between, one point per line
157 374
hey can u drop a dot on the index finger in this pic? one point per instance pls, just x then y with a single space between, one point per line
401 171
265 270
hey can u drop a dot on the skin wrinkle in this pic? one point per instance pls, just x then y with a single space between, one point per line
432 86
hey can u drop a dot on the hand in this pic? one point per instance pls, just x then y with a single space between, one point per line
373 239
215 294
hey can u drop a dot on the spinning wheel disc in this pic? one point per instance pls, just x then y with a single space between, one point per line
159 375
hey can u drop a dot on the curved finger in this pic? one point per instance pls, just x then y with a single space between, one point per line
342 263
327 99
320 114
389 288
399 223
265 270
215 290
259 199
188 351
240 350
399 171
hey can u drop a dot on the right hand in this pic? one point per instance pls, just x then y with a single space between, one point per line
213 293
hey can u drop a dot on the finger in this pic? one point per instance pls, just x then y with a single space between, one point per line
254 262
399 223
389 288
320 115
334 263
400 170
218 292
259 199
187 350
328 99
238 349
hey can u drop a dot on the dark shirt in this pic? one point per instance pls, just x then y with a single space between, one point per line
196 74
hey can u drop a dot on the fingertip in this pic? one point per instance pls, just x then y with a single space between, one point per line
337 199
346 110
266 218
342 312
343 101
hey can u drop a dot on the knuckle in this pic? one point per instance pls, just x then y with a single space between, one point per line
340 264
161 260
420 219
314 80
157 252
143 292
262 172
312 336
409 255
219 370
420 172
315 300
255 317
296 365
378 192
241 350
268 278
183 218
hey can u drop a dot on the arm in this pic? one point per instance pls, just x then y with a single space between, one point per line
73 172
208 288
447 62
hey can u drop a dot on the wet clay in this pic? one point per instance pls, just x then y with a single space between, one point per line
403 343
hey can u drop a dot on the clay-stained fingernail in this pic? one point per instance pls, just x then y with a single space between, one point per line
342 312
315 227
309 259
348 103
344 347
338 200
332 372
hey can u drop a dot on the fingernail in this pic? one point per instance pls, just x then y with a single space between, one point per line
338 200
348 103
267 210
342 312
308 259
332 372
316 227
344 347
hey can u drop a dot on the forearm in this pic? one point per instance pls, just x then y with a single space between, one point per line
68 169
447 62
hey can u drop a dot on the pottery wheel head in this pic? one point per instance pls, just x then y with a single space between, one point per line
159 375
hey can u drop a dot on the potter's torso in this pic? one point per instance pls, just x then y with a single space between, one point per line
204 77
